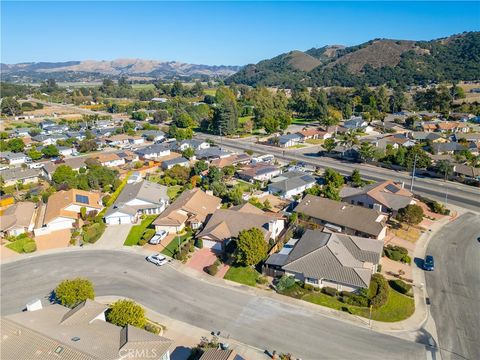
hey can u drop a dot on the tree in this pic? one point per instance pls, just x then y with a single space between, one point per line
87 145
127 312
329 145
16 145
349 140
444 167
83 212
225 114
366 151
72 292
188 153
356 178
331 192
334 177
235 196
64 174
251 247
183 120
199 167
50 151
410 214
10 106
160 116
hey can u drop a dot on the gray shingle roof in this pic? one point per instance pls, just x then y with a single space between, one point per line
289 181
334 257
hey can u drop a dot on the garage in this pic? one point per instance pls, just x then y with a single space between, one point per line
117 218
214 245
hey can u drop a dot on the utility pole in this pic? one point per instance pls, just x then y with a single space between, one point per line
446 189
413 172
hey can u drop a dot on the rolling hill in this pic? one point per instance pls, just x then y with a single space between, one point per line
375 62
95 70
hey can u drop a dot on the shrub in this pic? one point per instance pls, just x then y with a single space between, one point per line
125 312
378 290
147 235
29 246
106 199
92 233
285 283
142 242
212 269
327 290
153 328
262 280
308 287
400 286
199 243
354 299
397 253
72 292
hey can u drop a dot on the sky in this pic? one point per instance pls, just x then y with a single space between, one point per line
214 33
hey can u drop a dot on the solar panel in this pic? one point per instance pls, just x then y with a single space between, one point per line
81 199
392 188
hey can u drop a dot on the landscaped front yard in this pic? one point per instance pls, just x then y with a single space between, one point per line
174 244
23 244
243 275
136 232
174 191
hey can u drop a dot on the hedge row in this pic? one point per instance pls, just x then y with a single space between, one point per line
378 291
401 286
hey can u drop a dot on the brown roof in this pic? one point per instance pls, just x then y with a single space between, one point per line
106 157
358 218
227 223
191 204
230 160
310 132
218 354
18 215
57 203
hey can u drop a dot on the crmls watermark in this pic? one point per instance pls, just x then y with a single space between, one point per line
138 354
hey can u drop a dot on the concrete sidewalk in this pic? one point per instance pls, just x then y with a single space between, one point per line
186 336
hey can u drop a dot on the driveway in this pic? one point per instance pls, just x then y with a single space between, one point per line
248 317
113 237
54 240
454 287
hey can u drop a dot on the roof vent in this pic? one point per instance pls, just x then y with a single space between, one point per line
75 338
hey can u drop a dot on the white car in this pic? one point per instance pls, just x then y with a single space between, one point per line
159 236
157 259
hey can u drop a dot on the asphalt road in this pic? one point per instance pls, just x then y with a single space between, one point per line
454 288
457 194
258 321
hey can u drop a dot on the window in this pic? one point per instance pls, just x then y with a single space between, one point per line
81 199
311 281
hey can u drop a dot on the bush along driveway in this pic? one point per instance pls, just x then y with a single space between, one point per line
381 302
140 234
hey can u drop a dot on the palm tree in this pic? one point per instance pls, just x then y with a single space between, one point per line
349 140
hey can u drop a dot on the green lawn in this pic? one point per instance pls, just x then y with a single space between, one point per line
136 232
243 275
210 91
315 141
398 307
170 248
17 245
244 185
174 191
300 121
244 119
298 146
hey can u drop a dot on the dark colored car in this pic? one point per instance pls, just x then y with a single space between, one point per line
428 263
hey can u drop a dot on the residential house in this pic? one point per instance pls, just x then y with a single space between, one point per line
20 132
466 172
18 219
62 210
447 148
23 176
426 136
312 133
109 159
127 155
51 139
181 161
232 159
79 135
81 333
66 151
13 158
154 135
136 177
458 137
290 184
154 151
259 172
321 259
429 127
136 199
122 140
226 224
159 99
191 209
343 217
387 196
357 123
104 124
194 144
56 129
44 125
211 153
452 126
287 140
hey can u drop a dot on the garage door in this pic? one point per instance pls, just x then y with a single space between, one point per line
216 246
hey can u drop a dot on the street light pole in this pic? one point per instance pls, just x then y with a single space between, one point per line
446 189
413 172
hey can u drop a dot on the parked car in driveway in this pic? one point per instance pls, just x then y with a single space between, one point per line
428 263
157 259
159 236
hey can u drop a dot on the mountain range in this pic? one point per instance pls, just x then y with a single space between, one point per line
375 62
91 70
